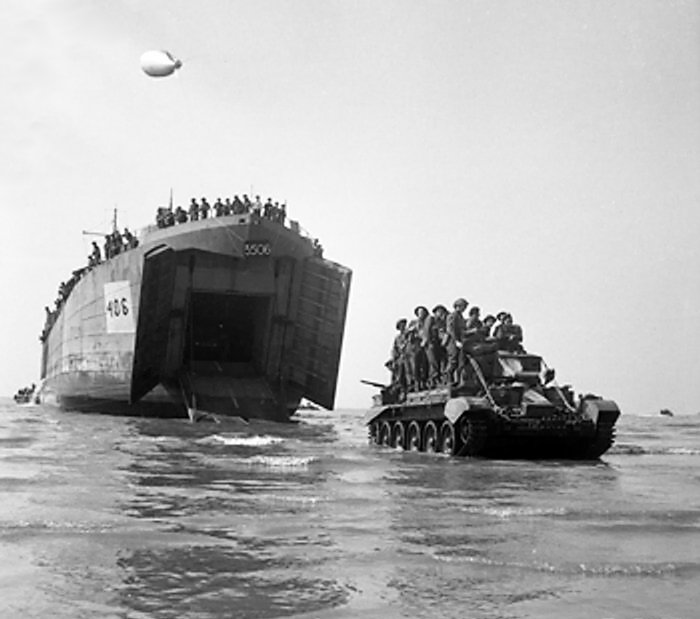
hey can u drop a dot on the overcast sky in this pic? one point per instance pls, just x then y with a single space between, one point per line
541 157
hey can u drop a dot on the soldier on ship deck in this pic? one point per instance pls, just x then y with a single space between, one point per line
130 241
281 212
238 208
194 210
204 209
180 215
95 256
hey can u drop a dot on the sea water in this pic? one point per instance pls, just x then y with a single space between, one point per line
114 517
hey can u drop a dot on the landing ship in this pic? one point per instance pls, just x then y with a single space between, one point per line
234 315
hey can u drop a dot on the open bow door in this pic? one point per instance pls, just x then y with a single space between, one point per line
319 326
152 332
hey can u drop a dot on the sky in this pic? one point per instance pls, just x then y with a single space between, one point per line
540 157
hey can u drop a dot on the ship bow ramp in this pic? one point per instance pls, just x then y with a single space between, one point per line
239 319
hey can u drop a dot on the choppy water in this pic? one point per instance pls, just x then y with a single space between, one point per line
135 518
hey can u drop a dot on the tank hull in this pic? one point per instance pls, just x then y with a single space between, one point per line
469 426
232 316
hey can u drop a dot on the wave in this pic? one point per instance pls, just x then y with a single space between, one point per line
627 449
240 440
586 569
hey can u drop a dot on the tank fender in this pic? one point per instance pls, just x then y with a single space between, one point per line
456 407
600 410
375 412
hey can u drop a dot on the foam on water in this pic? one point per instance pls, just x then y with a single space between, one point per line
514 512
277 462
627 449
241 440
585 569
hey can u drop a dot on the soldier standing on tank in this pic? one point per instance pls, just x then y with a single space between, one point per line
437 355
499 319
454 328
421 363
472 329
398 356
487 326
509 335
412 348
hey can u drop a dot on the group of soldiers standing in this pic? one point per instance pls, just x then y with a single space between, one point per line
166 217
115 243
431 350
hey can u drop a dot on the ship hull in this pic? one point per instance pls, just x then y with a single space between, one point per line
232 316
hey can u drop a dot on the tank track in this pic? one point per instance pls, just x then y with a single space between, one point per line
473 435
604 440
470 437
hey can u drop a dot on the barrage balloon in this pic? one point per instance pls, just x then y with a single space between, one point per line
159 63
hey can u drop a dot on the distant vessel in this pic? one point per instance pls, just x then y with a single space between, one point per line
26 395
233 315
666 412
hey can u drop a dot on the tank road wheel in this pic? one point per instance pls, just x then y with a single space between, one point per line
398 435
449 439
472 435
430 437
413 442
374 432
384 434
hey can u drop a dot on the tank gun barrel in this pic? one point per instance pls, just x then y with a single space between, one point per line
372 383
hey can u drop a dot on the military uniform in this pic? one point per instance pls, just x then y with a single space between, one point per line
194 210
435 350
398 353
454 328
